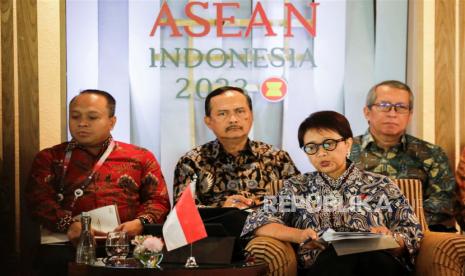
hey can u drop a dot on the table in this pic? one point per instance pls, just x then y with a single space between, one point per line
242 269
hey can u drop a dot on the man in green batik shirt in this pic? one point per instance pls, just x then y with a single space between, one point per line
386 149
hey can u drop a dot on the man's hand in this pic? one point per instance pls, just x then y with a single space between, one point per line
133 227
237 201
74 232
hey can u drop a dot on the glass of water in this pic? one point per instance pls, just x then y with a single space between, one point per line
117 246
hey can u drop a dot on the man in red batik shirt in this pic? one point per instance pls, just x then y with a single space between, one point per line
93 170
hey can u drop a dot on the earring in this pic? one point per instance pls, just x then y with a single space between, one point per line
348 155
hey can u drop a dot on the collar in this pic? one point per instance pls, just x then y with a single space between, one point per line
336 183
217 149
367 139
73 144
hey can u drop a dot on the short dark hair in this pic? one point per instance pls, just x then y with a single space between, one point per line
371 96
221 90
111 102
328 120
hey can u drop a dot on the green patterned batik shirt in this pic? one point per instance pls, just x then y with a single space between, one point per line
412 158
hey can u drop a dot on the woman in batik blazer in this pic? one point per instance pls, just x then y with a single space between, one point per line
341 197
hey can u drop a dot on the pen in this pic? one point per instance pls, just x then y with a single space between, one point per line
305 241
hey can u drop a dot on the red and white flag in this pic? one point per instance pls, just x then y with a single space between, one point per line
184 224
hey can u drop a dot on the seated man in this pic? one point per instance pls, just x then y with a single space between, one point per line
386 149
93 170
460 178
234 171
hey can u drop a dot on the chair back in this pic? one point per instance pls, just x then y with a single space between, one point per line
412 189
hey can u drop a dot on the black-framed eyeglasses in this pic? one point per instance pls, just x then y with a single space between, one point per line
327 145
387 106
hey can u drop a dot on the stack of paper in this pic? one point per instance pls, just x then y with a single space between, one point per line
355 242
330 235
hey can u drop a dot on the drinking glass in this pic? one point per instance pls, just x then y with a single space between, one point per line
117 246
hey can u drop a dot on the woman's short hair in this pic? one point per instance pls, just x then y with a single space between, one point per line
328 120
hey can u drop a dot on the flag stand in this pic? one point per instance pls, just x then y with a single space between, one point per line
191 262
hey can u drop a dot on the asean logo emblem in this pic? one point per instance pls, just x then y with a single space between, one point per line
274 89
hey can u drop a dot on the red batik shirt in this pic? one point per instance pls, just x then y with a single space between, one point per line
130 177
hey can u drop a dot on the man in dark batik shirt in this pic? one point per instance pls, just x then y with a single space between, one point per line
386 149
232 171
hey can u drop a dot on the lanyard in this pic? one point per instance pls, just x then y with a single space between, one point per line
80 191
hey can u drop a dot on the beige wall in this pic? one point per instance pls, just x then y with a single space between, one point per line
32 82
51 72
436 72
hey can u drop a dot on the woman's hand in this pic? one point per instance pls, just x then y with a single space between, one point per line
380 230
399 239
308 240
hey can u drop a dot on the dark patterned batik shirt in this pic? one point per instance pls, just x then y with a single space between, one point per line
415 159
354 202
130 178
255 172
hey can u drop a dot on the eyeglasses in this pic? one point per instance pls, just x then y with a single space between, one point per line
327 145
387 106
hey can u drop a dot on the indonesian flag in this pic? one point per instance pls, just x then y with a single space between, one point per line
184 224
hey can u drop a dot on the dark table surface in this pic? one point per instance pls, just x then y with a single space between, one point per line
99 269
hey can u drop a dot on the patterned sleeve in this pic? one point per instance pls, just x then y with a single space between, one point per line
184 172
440 188
41 196
402 220
274 210
288 167
153 192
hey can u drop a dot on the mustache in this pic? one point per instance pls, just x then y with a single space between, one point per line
233 127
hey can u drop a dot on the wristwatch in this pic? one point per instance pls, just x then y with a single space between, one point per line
144 220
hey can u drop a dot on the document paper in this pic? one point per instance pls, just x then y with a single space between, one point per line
356 242
104 219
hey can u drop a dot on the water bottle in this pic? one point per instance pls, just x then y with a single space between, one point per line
85 252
